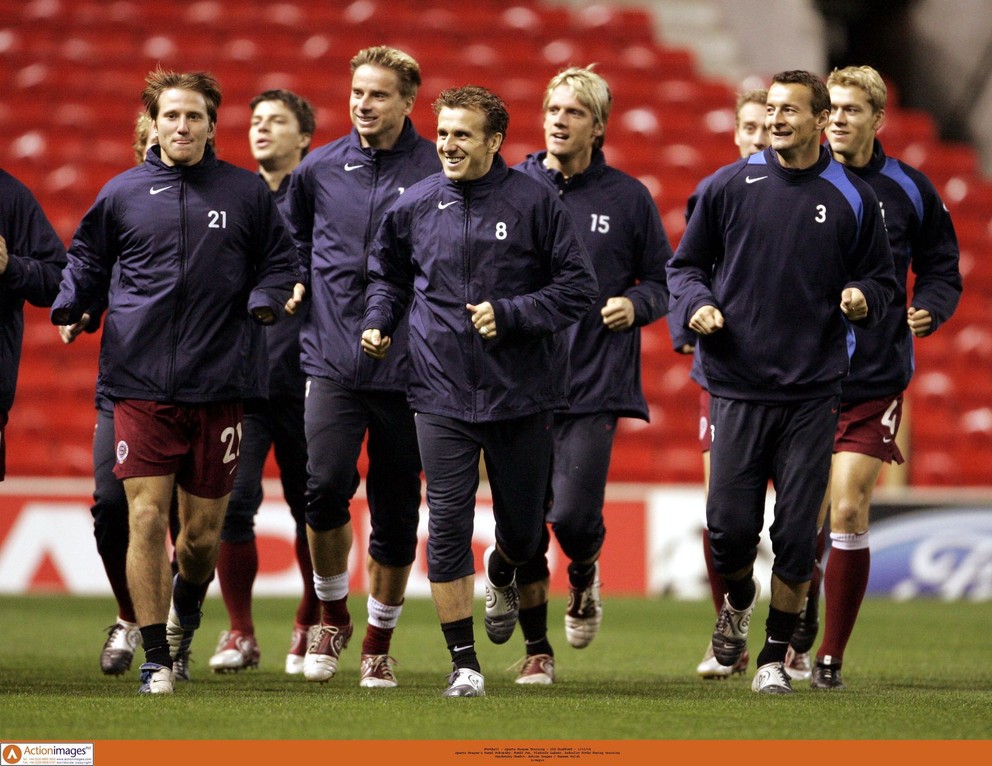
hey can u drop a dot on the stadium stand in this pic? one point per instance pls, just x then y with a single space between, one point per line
73 71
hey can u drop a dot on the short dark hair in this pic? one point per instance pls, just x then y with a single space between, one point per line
160 80
820 96
301 108
478 98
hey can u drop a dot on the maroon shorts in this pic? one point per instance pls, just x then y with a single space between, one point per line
3 445
705 433
870 427
199 443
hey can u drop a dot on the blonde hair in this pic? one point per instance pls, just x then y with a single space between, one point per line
142 130
756 96
406 67
865 77
592 91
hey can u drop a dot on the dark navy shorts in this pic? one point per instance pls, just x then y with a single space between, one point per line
337 421
276 424
788 444
582 448
517 456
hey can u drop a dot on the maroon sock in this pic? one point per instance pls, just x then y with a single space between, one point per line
376 640
237 566
335 612
718 586
844 586
308 612
116 569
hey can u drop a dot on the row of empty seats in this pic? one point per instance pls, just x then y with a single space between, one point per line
74 69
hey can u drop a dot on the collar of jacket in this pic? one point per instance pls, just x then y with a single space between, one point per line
770 158
875 164
487 183
597 166
878 158
154 160
406 142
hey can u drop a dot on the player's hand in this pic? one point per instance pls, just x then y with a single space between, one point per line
618 313
299 293
69 332
4 257
483 319
920 321
375 344
706 321
853 304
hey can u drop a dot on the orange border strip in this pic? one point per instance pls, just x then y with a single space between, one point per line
514 752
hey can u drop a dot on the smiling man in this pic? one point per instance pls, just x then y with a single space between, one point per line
201 251
620 227
489 264
922 238
782 251
750 137
336 198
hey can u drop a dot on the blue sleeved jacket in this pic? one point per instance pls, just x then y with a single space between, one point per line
198 249
337 196
922 238
680 334
503 238
282 339
773 248
35 258
618 222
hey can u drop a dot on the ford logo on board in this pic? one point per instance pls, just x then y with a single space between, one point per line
940 554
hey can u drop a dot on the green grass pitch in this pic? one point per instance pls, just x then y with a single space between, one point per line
914 670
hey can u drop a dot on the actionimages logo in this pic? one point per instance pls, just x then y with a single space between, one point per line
46 753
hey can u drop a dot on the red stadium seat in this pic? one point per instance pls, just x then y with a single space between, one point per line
80 63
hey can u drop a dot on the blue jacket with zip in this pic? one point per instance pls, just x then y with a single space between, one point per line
337 196
619 224
503 238
198 249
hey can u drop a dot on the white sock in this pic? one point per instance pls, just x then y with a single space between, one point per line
382 615
849 541
331 588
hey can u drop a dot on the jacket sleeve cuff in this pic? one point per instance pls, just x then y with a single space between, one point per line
260 299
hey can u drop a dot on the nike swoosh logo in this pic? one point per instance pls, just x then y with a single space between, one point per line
348 168
443 205
886 440
461 648
750 180
153 190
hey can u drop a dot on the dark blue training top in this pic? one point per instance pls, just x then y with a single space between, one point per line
922 237
773 248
